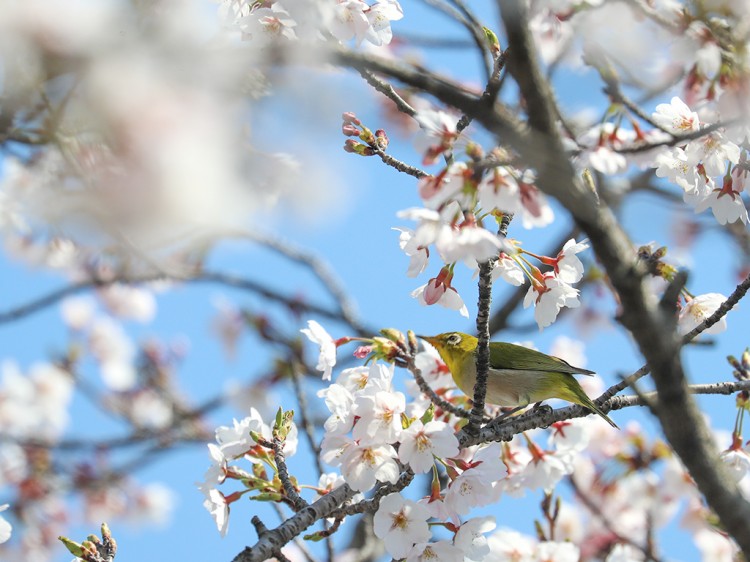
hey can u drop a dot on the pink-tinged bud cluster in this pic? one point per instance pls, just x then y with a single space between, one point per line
371 143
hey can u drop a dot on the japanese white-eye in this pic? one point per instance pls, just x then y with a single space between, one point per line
518 376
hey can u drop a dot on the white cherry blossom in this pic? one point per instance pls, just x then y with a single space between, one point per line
697 309
421 442
401 523
363 465
419 255
674 165
216 504
437 292
340 403
471 539
440 551
379 417
508 269
712 150
235 440
568 266
327 358
549 295
676 117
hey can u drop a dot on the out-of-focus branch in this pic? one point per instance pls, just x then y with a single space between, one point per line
388 91
318 267
599 514
221 278
472 25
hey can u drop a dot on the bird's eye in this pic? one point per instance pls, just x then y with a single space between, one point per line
453 339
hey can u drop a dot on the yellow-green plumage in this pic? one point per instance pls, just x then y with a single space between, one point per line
518 376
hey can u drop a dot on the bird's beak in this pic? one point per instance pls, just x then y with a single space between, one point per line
430 339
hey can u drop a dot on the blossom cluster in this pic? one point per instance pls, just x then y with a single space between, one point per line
457 200
695 165
247 440
712 71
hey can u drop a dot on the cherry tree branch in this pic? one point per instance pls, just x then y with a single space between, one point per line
504 429
388 91
399 165
271 541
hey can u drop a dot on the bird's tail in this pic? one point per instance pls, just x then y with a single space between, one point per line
595 408
582 399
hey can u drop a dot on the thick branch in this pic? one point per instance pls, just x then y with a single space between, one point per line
652 329
272 541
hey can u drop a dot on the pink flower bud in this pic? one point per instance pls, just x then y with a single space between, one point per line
362 351
349 117
433 291
349 130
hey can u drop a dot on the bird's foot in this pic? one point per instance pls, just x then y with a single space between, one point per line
506 414
542 408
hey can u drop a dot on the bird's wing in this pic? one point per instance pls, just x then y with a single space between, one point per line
511 356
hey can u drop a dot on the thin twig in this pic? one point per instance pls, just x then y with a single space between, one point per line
290 490
400 166
388 91
474 29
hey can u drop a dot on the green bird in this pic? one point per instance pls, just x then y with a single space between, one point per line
518 376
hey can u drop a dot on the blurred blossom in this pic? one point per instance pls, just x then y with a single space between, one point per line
246 396
5 527
572 351
148 409
77 312
155 159
152 504
13 464
714 546
115 352
228 324
35 405
127 301
509 545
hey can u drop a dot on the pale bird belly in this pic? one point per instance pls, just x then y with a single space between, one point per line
511 388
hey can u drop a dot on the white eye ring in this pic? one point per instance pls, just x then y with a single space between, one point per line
454 339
